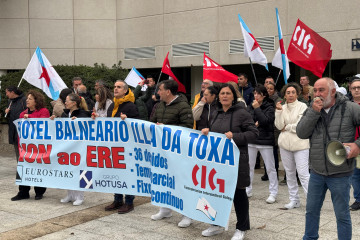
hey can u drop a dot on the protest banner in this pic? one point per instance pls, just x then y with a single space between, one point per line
177 167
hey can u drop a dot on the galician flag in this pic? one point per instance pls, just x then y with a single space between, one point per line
251 47
204 206
41 74
280 59
134 77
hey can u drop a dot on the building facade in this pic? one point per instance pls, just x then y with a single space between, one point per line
140 33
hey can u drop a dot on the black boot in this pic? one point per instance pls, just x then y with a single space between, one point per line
265 177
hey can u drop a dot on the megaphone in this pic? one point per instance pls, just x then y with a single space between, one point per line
337 153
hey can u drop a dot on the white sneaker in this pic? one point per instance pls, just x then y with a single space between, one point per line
212 230
185 222
271 199
249 194
160 215
66 199
78 202
292 204
238 235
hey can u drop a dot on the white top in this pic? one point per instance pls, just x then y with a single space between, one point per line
102 112
289 117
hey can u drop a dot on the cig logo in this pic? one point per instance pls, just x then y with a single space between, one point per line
303 40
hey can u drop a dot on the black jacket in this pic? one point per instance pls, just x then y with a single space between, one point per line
127 108
237 120
79 113
206 115
265 116
88 99
144 102
247 93
18 105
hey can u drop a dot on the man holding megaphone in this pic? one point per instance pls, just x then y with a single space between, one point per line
331 116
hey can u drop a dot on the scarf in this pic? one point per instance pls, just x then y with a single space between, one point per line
117 101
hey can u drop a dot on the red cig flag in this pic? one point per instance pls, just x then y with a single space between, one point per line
309 50
216 73
167 70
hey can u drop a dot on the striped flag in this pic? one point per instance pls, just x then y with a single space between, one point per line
252 48
280 59
134 77
41 74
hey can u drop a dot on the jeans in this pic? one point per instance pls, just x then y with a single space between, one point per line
129 199
356 184
340 196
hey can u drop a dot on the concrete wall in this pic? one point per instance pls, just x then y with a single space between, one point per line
89 31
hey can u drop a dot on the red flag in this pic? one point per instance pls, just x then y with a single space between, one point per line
167 70
309 50
214 72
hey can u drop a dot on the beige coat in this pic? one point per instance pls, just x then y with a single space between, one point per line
287 119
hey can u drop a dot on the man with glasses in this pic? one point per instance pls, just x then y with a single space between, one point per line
199 97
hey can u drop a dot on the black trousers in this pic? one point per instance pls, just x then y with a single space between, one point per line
241 204
24 190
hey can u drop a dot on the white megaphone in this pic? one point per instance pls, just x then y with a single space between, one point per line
337 153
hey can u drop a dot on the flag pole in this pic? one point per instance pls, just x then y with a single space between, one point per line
11 102
278 77
159 78
252 68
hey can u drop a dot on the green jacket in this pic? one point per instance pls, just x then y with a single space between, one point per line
177 113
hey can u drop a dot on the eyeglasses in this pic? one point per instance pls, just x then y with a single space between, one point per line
204 83
356 88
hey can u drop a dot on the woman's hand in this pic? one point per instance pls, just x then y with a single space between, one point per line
255 104
203 100
257 124
205 131
123 116
73 118
279 106
7 110
52 117
229 135
26 116
94 115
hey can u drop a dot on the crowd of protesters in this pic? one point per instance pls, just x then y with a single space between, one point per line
293 125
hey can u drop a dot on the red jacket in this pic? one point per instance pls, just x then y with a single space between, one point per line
41 113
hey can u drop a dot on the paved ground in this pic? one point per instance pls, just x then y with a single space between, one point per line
50 219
